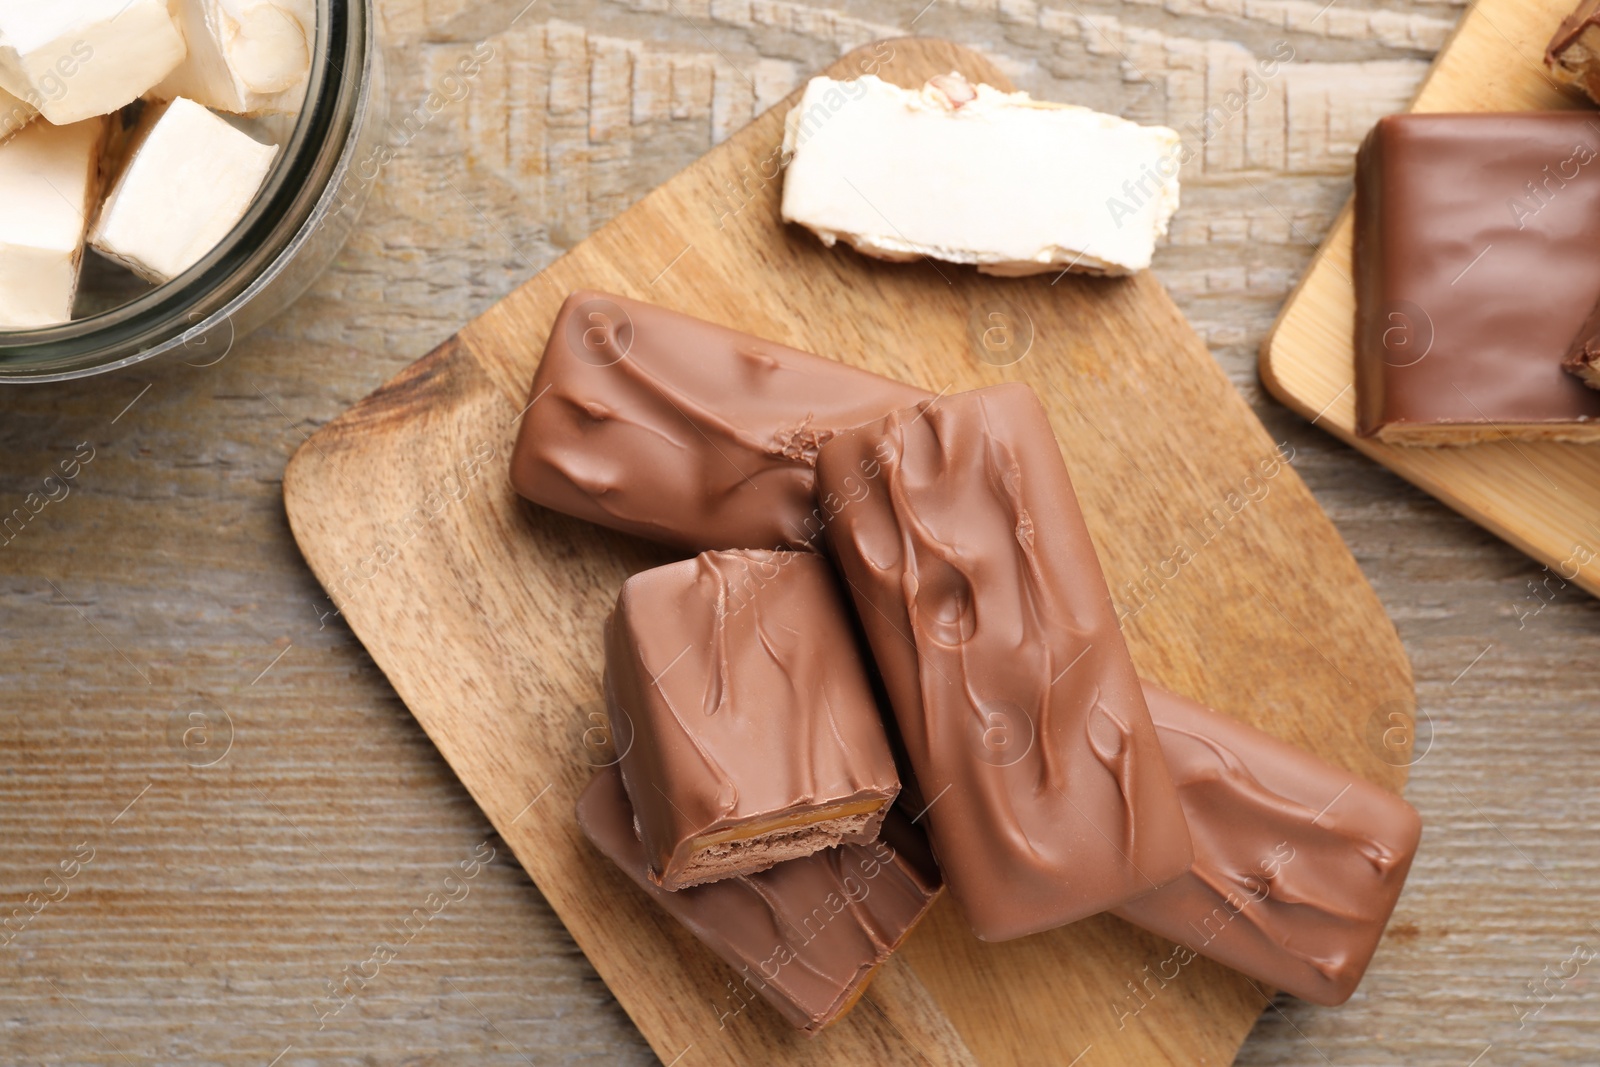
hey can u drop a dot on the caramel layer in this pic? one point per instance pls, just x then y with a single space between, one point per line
757 828
1446 434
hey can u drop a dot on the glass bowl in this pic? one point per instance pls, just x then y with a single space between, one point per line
300 219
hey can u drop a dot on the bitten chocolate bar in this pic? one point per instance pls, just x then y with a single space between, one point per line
1475 266
1573 54
679 430
1298 864
806 935
957 529
756 736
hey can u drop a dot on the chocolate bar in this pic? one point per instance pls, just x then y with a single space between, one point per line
1475 238
1573 54
756 735
981 595
682 431
1298 864
805 935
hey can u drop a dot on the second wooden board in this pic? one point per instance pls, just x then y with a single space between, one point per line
1542 497
485 612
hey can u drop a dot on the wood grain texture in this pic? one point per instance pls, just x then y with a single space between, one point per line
1231 584
1542 497
218 906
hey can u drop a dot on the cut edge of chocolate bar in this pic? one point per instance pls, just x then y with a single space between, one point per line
757 845
1445 434
1583 364
1573 54
1585 350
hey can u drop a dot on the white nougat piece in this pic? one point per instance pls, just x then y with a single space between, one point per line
249 57
75 59
971 174
14 114
189 182
49 178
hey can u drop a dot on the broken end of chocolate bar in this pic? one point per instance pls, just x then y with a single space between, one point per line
1585 351
764 843
1456 434
1573 54
1583 363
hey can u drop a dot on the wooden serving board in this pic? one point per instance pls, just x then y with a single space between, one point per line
485 611
1542 497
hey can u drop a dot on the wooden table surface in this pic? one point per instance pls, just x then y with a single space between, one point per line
212 804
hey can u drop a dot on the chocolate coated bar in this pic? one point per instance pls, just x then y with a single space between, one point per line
1475 262
679 430
805 935
957 529
755 734
1298 864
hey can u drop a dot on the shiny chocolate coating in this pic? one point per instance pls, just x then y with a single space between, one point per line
738 678
956 527
1475 265
1298 864
805 935
679 430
